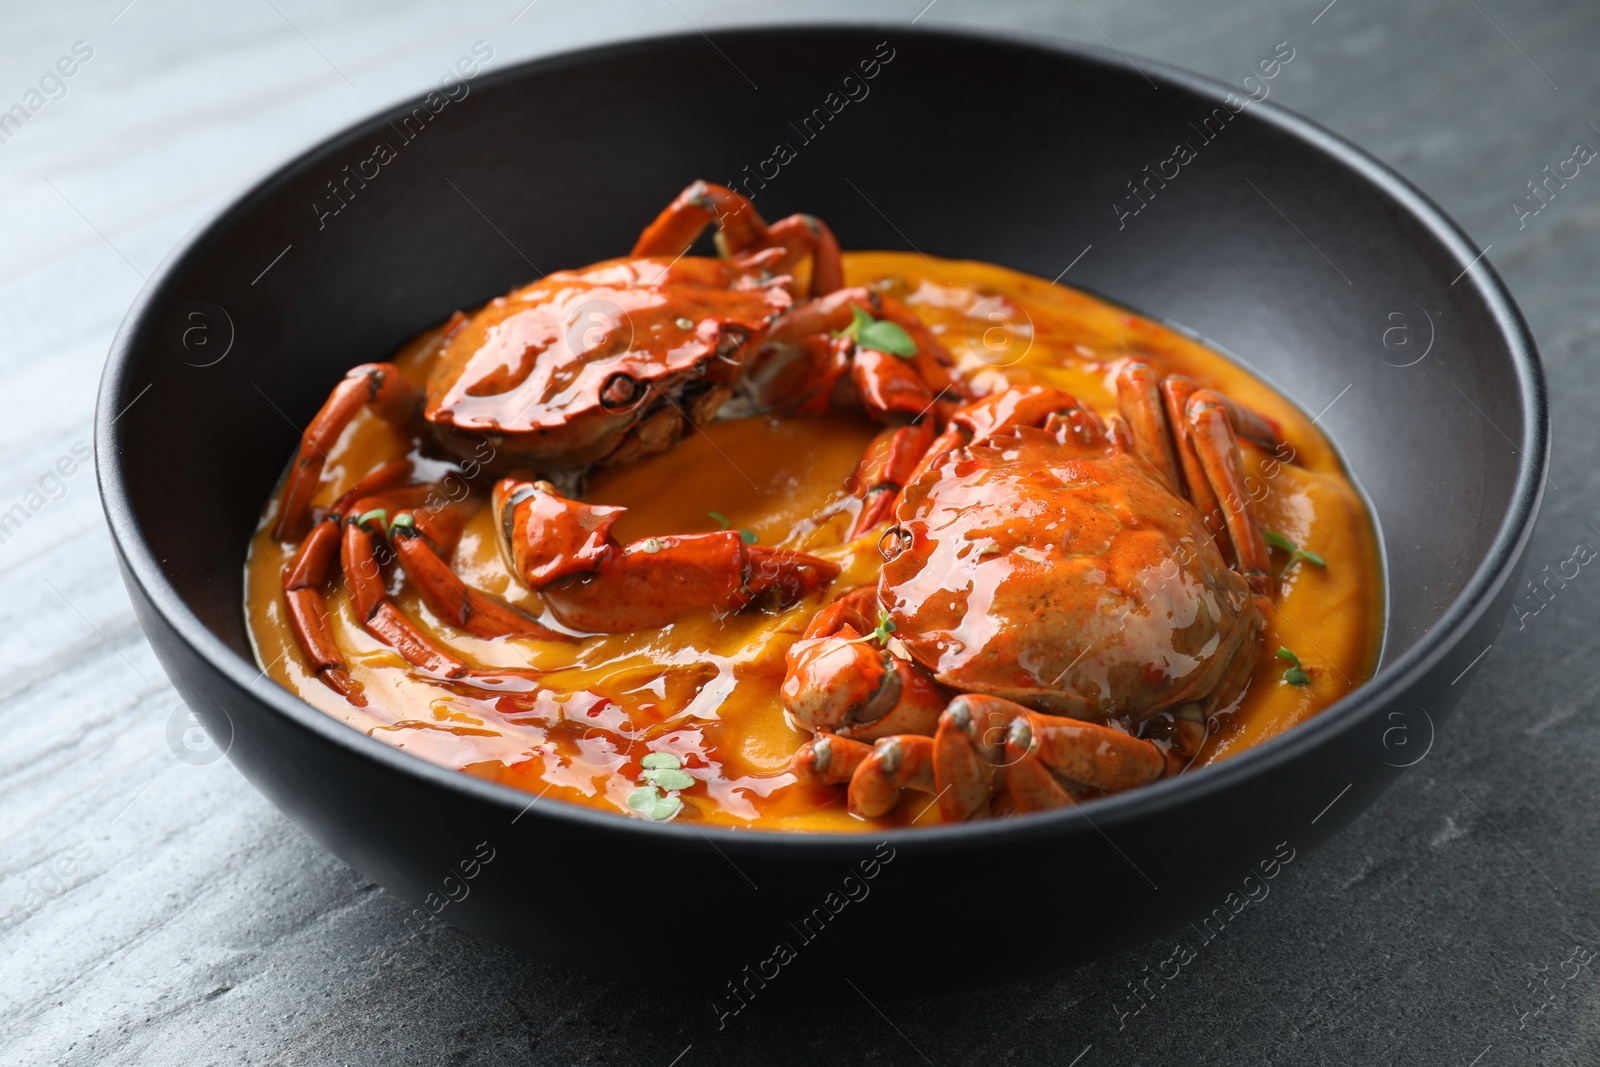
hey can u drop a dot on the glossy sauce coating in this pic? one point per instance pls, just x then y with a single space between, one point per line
1029 576
705 688
550 370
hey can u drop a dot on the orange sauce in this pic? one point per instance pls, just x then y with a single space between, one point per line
706 688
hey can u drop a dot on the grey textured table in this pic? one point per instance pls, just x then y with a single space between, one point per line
154 909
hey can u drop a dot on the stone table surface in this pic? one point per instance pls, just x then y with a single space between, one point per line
154 909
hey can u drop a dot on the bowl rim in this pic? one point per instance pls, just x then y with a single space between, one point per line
1504 552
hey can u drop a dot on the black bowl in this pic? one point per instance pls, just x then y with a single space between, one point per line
1308 259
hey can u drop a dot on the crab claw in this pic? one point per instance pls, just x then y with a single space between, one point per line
564 550
841 680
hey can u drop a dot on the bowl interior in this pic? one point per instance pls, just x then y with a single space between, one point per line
1268 239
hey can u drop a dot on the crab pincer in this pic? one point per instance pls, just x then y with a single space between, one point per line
563 549
843 679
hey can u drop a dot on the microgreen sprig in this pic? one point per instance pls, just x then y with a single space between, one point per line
380 514
879 334
1296 674
658 800
747 536
1296 553
884 628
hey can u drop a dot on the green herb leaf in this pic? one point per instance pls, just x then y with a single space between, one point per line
376 513
1296 674
885 627
644 797
405 521
1277 540
887 337
1296 553
669 779
879 334
747 536
665 808
858 319
661 761
881 634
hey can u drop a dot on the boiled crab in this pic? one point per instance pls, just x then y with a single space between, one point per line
1056 572
600 366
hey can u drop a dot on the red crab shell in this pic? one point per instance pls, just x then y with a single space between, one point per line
599 365
1067 577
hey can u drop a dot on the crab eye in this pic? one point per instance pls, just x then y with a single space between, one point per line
620 391
893 541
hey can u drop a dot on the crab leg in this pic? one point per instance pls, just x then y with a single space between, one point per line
370 598
804 367
1175 394
1251 425
1204 427
456 602
907 387
1028 782
831 312
744 234
1101 757
380 385
308 611
799 236
307 572
691 211
564 549
884 470
1139 402
1218 451
979 733
828 759
895 763
382 479
889 385
346 531
414 532
516 691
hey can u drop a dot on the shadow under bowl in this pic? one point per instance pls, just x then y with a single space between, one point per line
1287 246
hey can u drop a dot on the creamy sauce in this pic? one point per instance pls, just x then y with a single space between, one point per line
706 688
